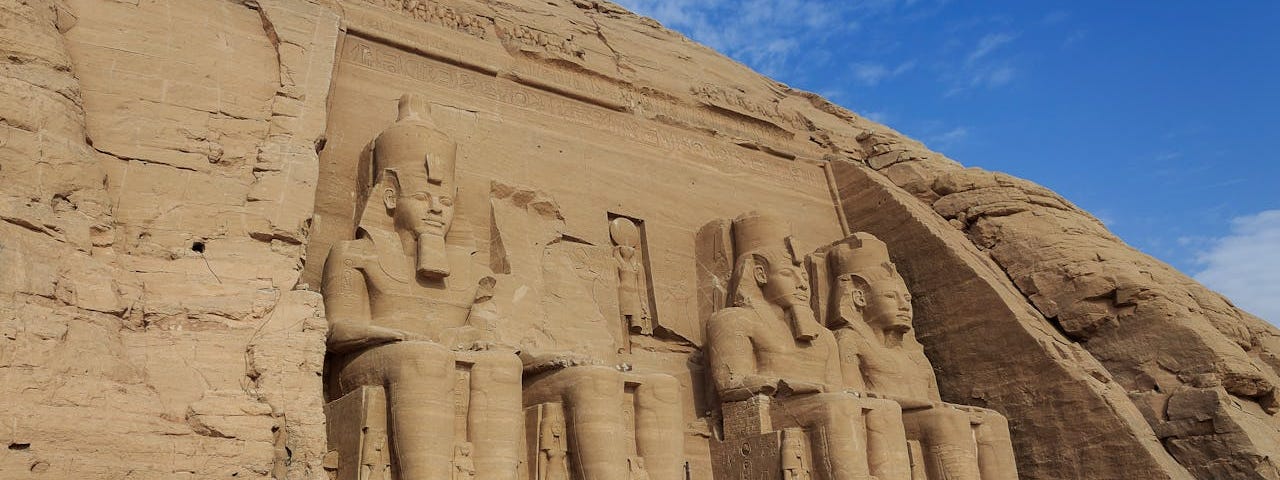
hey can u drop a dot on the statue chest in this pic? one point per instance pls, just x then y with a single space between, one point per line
427 307
778 353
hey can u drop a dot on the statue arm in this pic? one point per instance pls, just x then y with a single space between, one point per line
732 359
537 362
346 304
923 361
850 361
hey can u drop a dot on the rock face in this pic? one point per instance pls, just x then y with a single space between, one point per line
174 173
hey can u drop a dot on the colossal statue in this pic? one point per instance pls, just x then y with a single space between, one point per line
768 349
398 299
869 308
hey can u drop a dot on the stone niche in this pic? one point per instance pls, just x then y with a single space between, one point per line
550 185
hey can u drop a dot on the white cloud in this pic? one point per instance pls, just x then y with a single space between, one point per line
948 138
771 36
871 74
987 44
1245 265
1056 16
878 117
1075 37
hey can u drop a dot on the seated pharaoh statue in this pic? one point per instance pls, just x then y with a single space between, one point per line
452 403
775 368
398 297
869 308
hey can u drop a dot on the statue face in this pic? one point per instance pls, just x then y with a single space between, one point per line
422 207
888 304
785 286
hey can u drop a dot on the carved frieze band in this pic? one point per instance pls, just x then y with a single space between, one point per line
482 42
725 156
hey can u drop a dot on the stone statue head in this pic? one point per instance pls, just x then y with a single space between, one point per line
767 270
867 286
413 185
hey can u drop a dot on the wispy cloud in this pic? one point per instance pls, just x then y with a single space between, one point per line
984 67
1075 37
871 74
767 35
1056 17
947 138
878 117
987 44
1245 265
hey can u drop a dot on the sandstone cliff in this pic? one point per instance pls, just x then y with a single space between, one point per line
164 204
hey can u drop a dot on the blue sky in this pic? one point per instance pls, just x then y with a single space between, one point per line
1160 117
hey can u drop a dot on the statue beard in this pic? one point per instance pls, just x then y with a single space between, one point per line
804 325
431 261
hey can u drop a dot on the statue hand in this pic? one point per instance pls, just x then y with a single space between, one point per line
794 387
752 386
904 402
541 362
344 336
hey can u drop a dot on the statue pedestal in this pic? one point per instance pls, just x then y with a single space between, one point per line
357 428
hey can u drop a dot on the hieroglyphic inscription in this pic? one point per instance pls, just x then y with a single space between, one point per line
737 102
642 102
428 11
646 104
629 416
540 39
481 26
461 401
441 43
371 55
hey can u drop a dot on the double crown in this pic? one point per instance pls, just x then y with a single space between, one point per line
755 232
413 147
864 255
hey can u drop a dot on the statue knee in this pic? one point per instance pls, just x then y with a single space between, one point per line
499 367
662 387
943 424
836 409
994 420
992 427
588 383
883 406
420 360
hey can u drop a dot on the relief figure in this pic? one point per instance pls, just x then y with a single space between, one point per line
633 302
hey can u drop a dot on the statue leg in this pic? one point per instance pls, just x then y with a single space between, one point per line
834 424
592 399
995 448
495 420
418 378
947 438
887 454
660 427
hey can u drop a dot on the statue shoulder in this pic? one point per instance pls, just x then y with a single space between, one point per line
732 319
352 253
